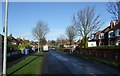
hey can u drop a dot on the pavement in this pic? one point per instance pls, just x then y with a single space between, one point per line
59 63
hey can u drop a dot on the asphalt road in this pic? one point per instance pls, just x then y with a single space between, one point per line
59 63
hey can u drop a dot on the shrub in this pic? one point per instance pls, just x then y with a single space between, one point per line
105 47
12 48
61 47
22 47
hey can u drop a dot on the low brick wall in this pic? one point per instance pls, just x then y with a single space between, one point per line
106 53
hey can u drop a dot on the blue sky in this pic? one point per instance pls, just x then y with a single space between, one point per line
23 16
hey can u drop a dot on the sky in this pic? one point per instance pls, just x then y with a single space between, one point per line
23 16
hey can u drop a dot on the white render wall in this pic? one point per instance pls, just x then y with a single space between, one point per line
117 32
92 44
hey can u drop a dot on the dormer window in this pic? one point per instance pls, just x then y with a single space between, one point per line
101 36
111 34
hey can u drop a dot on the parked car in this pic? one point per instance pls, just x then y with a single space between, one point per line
53 48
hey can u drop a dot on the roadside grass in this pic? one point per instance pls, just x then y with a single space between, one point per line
32 64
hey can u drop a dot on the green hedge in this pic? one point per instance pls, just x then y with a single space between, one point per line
105 47
12 48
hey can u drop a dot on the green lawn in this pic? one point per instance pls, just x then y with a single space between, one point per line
32 64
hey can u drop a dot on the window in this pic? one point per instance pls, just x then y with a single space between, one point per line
111 34
118 42
118 32
102 36
111 42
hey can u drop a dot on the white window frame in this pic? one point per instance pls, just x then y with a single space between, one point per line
109 36
117 42
117 32
101 36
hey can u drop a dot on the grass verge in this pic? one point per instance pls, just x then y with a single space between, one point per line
32 64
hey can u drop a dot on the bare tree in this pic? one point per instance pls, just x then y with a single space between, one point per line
86 22
71 33
114 9
40 30
60 40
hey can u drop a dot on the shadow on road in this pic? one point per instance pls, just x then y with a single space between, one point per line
37 55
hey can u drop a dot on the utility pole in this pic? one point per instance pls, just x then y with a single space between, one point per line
5 40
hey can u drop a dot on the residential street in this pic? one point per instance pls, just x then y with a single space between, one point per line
59 63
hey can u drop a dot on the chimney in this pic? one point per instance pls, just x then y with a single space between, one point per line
117 22
111 24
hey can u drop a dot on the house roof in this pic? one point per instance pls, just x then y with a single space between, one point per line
112 26
67 42
109 28
34 43
98 32
78 42
12 39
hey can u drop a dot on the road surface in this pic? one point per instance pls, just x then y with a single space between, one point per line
59 63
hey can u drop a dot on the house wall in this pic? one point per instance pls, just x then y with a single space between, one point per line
106 38
92 44
117 40
109 36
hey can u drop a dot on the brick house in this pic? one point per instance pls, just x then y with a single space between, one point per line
117 33
108 36
12 40
99 38
67 43
113 33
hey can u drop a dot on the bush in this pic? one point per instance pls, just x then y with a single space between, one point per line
21 47
28 46
105 47
61 47
12 48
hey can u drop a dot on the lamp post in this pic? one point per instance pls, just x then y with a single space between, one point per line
5 39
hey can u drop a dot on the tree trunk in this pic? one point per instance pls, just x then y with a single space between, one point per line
84 42
38 46
70 42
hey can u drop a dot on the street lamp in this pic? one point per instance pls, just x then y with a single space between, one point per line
5 39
